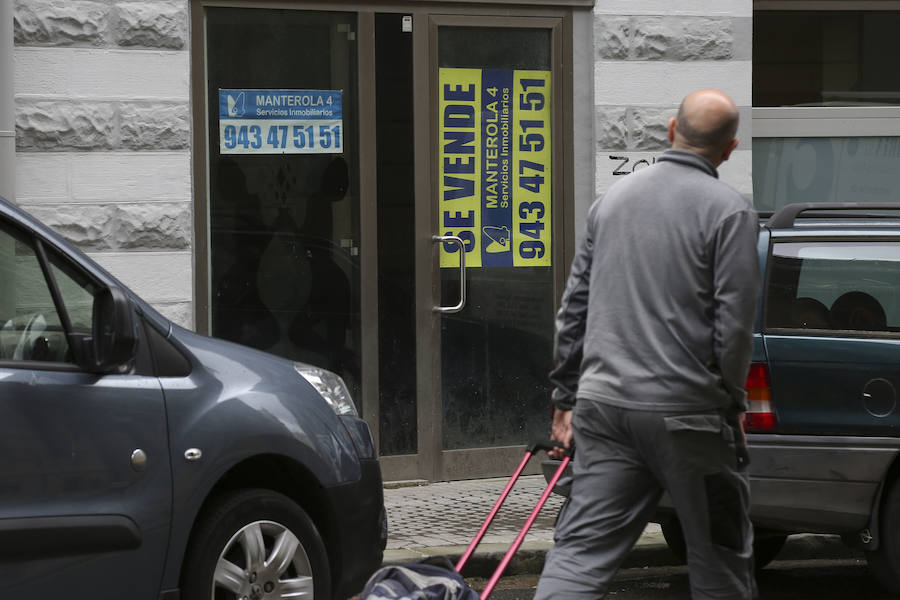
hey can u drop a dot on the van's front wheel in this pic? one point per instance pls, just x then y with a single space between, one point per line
256 544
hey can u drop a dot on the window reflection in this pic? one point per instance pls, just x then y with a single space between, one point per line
835 287
824 169
825 58
284 228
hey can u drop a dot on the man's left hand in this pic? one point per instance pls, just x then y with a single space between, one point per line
561 431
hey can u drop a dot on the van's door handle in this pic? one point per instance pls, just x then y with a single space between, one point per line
462 272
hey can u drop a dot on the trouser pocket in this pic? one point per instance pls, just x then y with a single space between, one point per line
707 442
702 423
716 424
725 511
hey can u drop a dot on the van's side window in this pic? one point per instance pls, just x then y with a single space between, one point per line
32 328
834 286
76 293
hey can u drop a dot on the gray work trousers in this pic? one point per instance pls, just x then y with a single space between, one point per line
624 460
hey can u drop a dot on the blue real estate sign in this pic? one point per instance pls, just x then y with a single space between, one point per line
280 122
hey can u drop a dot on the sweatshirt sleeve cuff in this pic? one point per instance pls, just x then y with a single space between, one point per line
739 401
562 400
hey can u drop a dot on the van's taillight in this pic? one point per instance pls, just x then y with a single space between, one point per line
761 414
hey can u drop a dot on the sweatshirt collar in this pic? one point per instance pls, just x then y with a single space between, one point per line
683 157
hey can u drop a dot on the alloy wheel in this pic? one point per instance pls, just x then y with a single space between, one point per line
263 560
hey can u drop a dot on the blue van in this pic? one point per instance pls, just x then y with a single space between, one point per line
140 460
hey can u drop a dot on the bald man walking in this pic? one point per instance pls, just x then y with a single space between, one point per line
653 341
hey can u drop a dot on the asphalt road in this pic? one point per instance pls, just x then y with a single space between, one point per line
833 579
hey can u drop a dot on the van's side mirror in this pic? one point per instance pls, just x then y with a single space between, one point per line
111 347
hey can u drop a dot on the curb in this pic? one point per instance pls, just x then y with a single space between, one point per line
529 559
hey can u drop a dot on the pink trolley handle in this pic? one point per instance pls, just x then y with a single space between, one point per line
530 451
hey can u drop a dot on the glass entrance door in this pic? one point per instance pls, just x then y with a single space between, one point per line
494 106
467 132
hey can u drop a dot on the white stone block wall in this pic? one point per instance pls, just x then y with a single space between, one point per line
103 136
103 117
649 54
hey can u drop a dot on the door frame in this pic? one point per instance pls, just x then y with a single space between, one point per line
430 462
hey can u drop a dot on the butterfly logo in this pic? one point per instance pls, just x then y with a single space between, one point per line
236 105
499 237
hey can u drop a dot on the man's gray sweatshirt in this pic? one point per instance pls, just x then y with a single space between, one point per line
658 309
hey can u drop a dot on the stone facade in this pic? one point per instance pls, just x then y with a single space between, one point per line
664 38
103 119
648 55
134 23
103 136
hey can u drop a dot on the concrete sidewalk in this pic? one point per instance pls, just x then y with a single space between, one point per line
441 519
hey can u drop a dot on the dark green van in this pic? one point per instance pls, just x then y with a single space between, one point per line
824 422
824 425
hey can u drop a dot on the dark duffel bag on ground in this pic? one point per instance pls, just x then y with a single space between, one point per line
417 581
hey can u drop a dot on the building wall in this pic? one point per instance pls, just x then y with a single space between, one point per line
103 117
103 136
649 54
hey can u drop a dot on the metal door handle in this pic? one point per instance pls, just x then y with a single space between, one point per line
462 273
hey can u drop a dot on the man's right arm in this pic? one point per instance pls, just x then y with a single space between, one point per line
571 320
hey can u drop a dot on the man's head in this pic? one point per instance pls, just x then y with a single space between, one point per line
706 124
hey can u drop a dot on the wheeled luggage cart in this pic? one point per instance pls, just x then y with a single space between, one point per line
393 582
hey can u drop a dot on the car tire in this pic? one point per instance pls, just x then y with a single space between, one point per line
885 561
766 544
255 543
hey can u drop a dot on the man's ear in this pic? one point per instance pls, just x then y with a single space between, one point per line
729 149
672 129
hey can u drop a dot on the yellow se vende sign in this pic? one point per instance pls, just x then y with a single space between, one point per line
495 166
